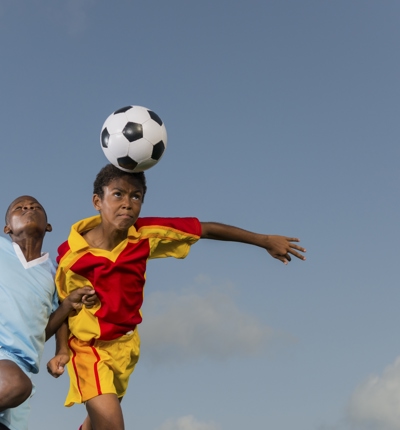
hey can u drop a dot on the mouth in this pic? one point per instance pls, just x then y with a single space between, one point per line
125 216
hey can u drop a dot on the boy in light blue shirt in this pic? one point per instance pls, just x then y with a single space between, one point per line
30 313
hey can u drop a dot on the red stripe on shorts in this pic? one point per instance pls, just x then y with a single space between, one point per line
95 368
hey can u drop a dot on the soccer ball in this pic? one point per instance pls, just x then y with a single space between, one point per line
133 138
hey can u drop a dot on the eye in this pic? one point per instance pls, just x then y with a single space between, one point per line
117 194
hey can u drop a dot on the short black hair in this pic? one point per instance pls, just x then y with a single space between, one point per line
109 172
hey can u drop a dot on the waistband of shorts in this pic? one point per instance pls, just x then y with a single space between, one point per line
122 338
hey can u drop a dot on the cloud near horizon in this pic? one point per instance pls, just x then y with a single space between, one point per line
187 422
198 323
375 404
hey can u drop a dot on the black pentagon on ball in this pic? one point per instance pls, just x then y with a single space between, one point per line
127 163
122 110
133 131
158 150
105 136
155 117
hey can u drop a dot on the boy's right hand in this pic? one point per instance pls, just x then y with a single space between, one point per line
56 365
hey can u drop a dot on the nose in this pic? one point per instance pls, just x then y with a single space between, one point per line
127 202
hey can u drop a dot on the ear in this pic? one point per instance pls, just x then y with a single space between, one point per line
96 200
49 228
7 229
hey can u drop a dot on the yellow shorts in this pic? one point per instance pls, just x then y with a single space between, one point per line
101 367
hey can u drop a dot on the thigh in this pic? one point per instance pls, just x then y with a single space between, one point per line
105 412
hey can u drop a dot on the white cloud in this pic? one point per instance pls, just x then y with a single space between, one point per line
201 322
187 423
375 404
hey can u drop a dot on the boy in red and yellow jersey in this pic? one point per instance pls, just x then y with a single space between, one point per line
110 253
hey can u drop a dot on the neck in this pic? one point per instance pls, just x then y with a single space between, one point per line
30 247
99 238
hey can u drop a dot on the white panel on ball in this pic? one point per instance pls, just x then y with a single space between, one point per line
137 114
140 151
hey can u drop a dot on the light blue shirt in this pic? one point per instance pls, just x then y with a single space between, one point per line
27 298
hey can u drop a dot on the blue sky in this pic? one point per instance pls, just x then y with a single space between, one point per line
282 118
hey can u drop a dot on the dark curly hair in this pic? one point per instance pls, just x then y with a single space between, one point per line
109 172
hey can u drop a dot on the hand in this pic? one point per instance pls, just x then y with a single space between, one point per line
280 247
82 296
56 365
90 300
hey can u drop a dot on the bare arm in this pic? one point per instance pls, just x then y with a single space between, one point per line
56 365
73 302
279 247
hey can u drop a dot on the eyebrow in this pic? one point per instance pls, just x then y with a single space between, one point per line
137 190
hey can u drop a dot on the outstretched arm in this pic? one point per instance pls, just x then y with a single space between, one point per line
279 247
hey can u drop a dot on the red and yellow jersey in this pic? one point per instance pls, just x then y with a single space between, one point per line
118 276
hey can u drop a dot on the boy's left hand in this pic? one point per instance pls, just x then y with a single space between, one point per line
280 247
56 365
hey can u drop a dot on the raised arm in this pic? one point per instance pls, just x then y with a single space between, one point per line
279 247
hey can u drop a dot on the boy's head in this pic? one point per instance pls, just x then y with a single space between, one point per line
109 172
26 216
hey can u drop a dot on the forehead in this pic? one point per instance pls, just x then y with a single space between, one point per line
125 183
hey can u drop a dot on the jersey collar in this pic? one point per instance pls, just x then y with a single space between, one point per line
77 242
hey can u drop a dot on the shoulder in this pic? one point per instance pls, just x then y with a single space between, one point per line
188 224
5 243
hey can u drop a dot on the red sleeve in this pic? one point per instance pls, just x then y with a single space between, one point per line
188 225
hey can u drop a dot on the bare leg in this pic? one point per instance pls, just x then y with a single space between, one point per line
86 424
15 386
105 413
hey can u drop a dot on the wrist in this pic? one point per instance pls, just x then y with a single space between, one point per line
62 351
67 304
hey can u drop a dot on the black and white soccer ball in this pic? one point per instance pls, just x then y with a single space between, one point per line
133 138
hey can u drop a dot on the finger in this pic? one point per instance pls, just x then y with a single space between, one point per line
300 248
296 254
87 290
52 372
281 258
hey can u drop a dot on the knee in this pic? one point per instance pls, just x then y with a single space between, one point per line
15 386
